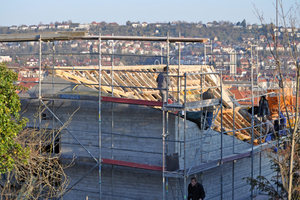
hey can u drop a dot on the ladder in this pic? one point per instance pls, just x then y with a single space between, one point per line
176 188
205 150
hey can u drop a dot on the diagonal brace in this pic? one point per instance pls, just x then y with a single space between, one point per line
78 181
69 131
207 133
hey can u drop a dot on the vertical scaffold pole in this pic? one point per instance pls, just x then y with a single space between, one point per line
278 135
53 133
233 180
168 82
99 116
184 144
112 117
40 97
221 163
178 95
179 59
167 113
233 126
252 124
40 67
164 151
168 78
40 87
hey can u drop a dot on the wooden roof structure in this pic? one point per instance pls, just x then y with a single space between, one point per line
139 82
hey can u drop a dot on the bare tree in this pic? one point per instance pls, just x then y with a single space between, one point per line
42 174
286 161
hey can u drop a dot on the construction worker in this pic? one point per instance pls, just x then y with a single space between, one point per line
162 85
209 109
195 190
269 128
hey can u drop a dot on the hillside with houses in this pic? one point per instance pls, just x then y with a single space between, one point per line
248 43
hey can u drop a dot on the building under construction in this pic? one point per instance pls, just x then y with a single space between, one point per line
126 144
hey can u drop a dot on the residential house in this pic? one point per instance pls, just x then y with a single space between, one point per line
13 27
128 43
216 49
270 47
46 62
280 47
156 52
227 78
244 63
43 26
209 24
124 50
5 59
135 24
227 49
131 50
84 26
140 50
263 38
262 82
74 45
32 61
95 49
240 72
259 48
137 44
94 23
147 44
23 27
173 23
63 26
51 26
113 24
144 24
33 27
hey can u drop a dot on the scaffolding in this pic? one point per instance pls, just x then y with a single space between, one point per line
136 85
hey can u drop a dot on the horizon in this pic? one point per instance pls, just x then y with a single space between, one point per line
33 13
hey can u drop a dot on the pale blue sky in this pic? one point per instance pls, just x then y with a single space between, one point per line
32 12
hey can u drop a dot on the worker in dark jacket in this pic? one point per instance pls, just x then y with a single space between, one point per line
209 109
263 108
196 191
162 84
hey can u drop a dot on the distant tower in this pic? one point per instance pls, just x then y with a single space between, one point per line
232 63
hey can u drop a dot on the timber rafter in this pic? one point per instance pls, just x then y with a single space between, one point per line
139 82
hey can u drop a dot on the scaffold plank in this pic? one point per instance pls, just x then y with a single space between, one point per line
131 164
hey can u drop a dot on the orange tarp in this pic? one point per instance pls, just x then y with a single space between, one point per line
274 102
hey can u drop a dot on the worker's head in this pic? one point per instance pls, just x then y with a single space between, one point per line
265 119
165 68
270 118
193 181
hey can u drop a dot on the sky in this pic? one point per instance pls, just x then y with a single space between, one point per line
34 12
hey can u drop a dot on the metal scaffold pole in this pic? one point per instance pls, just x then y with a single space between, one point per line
40 80
221 88
53 133
179 58
233 127
112 116
99 116
252 124
184 143
164 158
